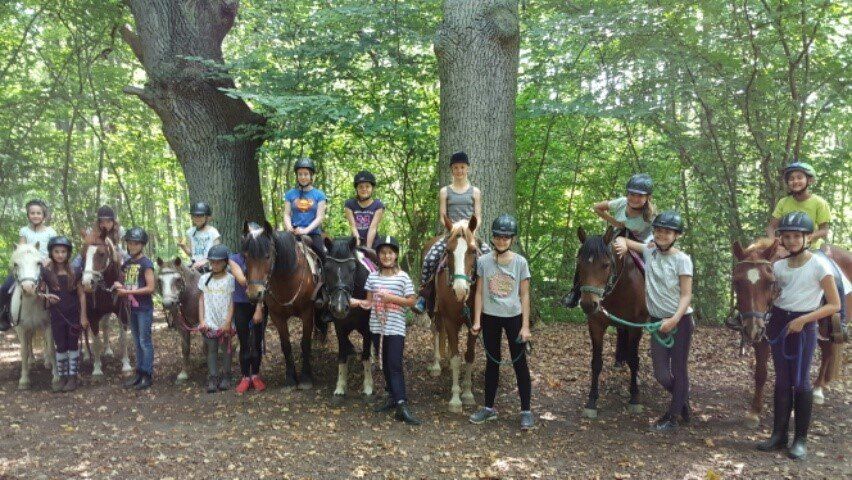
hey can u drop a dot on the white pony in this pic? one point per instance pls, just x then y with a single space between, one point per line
28 311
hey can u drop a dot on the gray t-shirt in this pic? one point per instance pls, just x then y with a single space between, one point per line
501 290
641 229
662 280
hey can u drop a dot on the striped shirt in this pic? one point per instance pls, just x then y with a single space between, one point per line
391 314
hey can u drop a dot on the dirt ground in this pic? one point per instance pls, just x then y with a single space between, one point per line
103 431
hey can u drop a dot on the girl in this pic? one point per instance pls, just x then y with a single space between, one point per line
108 226
139 285
506 306
364 213
799 176
202 236
389 291
304 207
250 322
668 294
458 201
216 307
634 212
802 280
37 231
67 311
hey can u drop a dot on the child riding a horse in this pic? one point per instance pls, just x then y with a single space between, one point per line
363 212
138 286
633 212
202 236
799 176
304 207
36 232
504 306
668 293
802 281
216 308
459 201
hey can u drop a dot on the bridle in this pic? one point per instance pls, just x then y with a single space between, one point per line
462 276
265 282
734 321
175 310
19 281
612 280
98 275
341 287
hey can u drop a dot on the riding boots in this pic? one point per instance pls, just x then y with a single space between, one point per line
782 405
803 405
403 414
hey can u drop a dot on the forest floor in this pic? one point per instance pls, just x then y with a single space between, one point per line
103 431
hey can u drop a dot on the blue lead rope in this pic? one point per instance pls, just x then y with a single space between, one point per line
798 381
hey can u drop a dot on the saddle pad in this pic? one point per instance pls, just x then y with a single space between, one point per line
364 260
313 258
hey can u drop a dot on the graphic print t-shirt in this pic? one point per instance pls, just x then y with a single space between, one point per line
364 215
501 290
303 207
134 278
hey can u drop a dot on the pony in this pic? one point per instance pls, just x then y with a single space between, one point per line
178 286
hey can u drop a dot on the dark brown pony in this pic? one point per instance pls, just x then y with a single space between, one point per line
617 285
279 274
753 282
101 269
454 292
178 285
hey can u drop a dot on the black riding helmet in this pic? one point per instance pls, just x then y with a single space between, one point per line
640 183
386 241
364 176
459 157
505 226
305 163
796 222
201 208
106 212
218 252
669 219
136 234
60 241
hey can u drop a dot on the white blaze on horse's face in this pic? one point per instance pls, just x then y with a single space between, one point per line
753 276
460 285
26 261
167 281
88 267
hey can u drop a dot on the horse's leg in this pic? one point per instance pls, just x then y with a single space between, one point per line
86 333
306 381
106 329
280 322
633 340
24 338
344 347
124 345
97 348
467 374
50 353
761 359
824 375
451 329
366 351
435 368
596 333
185 342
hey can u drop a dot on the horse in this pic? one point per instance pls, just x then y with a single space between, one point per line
279 274
178 285
753 281
28 312
454 285
345 277
617 286
102 268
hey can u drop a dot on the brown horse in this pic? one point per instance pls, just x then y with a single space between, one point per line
454 286
178 285
279 274
101 269
753 281
618 286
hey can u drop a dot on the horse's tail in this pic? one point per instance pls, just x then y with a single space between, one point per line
835 363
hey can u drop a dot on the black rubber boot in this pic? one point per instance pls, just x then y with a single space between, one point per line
804 405
133 381
385 407
782 404
686 413
403 414
145 383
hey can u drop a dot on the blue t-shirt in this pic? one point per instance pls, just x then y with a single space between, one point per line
303 207
134 276
364 215
240 295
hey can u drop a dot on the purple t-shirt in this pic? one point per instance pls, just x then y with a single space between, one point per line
363 215
240 295
134 276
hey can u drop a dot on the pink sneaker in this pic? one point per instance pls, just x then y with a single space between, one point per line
257 383
244 385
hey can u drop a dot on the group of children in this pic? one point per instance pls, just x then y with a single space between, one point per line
502 293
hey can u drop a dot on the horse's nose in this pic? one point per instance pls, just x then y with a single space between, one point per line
589 307
28 287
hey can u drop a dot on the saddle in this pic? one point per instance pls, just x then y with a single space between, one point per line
837 332
313 260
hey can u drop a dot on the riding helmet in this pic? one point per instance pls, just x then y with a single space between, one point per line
60 241
136 234
106 212
386 241
218 252
505 226
796 222
201 208
304 163
669 219
803 167
364 176
459 157
640 183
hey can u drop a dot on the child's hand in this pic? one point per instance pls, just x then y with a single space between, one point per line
122 292
51 298
84 322
117 285
620 246
202 327
257 318
476 328
668 324
795 326
525 334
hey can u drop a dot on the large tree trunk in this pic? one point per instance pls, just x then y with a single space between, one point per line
477 49
203 126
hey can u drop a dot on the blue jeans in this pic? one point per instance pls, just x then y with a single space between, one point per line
140 325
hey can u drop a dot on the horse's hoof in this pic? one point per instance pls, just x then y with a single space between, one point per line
126 368
108 352
635 407
181 378
434 371
590 413
306 385
23 386
752 420
467 399
97 375
337 399
455 407
819 397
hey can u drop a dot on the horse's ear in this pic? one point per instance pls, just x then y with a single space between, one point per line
353 243
178 261
769 253
739 254
328 243
608 235
84 233
581 234
245 227
471 224
160 262
447 222
267 228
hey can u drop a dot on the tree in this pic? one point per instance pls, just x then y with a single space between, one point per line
213 135
477 49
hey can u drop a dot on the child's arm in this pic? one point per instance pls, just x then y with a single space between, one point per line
525 310
365 304
150 283
257 318
831 306
442 203
622 244
288 223
477 309
477 207
201 325
601 209
374 227
230 317
408 301
350 217
821 232
682 306
81 295
317 221
237 272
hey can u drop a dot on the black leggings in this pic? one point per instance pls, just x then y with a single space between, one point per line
250 355
392 349
318 245
492 327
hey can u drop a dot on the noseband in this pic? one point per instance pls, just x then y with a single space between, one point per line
340 287
735 319
20 280
614 276
98 275
265 282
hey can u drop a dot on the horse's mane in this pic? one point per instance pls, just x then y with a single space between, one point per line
257 245
760 244
340 248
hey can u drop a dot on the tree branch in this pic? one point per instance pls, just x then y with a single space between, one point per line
132 40
145 95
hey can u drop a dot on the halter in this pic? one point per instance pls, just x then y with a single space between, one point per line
180 292
265 282
463 276
19 281
614 277
98 275
341 287
735 319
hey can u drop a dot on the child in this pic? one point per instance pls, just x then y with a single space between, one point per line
802 280
458 201
798 176
635 212
36 232
668 294
504 306
364 213
67 311
304 207
216 307
202 236
250 322
389 291
109 228
138 287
